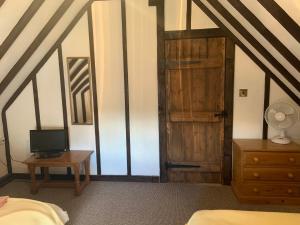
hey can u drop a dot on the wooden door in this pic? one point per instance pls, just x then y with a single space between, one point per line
195 70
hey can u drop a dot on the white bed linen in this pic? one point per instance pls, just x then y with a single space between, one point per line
235 217
19 211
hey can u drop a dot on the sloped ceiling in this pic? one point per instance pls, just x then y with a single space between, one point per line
287 40
27 37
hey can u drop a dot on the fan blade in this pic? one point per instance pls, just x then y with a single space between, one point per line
288 122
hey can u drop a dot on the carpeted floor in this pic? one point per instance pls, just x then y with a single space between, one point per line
120 203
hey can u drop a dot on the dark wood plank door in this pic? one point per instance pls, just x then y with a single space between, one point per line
195 70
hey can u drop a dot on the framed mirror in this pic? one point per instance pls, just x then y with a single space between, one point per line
79 77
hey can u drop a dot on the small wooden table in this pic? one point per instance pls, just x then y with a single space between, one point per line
67 159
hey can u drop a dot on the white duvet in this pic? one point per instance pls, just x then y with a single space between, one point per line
18 211
234 217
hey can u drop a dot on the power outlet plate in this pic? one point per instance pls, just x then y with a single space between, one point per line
243 93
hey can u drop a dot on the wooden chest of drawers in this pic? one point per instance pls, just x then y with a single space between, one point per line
264 172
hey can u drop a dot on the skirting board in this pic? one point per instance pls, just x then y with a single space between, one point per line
5 180
149 179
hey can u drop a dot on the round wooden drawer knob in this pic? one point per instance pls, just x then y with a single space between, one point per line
255 190
256 175
290 191
255 159
291 159
290 175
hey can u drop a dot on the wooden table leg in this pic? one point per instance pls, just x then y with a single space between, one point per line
34 186
87 170
76 168
46 173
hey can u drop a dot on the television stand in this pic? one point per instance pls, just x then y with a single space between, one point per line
67 159
46 155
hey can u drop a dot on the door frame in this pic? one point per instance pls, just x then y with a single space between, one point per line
228 94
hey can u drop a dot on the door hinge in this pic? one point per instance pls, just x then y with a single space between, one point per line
221 114
170 165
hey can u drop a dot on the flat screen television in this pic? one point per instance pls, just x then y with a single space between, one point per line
47 143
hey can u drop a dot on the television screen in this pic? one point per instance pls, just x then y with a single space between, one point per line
48 140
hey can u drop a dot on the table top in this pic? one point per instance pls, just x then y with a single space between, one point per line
69 157
265 145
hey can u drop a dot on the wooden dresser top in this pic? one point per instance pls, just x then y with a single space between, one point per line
265 145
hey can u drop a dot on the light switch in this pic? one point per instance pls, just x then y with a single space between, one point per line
243 92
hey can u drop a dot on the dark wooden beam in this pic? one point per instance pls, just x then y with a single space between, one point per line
63 98
83 103
266 105
6 137
152 3
189 15
258 25
35 44
84 74
256 44
94 88
29 78
36 104
197 33
126 87
63 90
282 17
246 50
78 68
228 107
1 2
18 28
160 18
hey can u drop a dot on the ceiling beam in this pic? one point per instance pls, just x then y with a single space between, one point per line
237 41
267 34
282 17
256 44
19 27
35 44
1 2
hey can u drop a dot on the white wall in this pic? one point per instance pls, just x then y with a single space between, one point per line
82 137
248 111
21 119
143 96
110 86
175 14
49 92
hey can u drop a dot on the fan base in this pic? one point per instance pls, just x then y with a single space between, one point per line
281 140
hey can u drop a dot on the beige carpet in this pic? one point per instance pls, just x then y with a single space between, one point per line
120 203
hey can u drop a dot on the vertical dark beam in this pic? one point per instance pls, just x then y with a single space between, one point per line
126 86
18 28
75 108
36 104
94 88
228 107
266 104
160 16
63 99
282 17
7 148
83 107
189 15
63 91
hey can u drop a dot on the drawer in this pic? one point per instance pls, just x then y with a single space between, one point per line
270 190
271 174
272 159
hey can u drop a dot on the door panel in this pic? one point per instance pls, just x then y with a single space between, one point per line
195 109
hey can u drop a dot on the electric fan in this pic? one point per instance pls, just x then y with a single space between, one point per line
281 116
